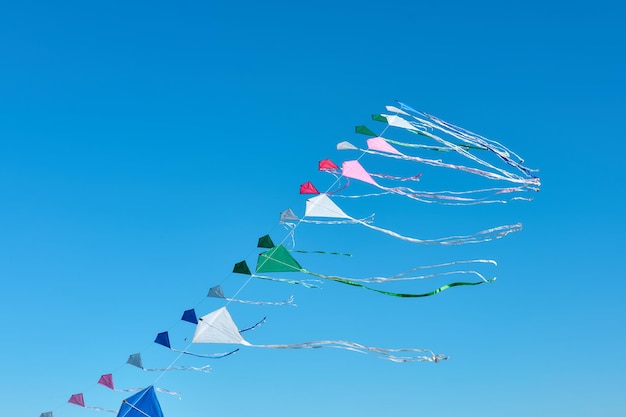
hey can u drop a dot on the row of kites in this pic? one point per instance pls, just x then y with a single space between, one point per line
506 179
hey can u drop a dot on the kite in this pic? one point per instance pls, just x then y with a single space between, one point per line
308 188
106 380
321 206
242 268
329 166
163 339
219 327
142 404
217 292
135 360
278 259
47 414
79 400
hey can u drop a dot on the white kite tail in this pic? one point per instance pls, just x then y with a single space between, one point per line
439 163
289 301
411 354
478 237
500 150
205 369
461 198
405 276
369 219
419 125
161 390
101 409
306 283
164 391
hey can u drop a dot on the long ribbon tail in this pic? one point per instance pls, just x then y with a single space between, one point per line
419 124
500 150
482 236
451 263
308 283
289 301
401 277
433 148
346 281
101 409
164 391
368 219
443 148
161 390
260 323
205 369
363 195
404 276
396 178
457 198
412 354
476 171
461 150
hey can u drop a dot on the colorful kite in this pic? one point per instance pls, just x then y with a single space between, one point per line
219 327
279 259
330 167
242 268
142 404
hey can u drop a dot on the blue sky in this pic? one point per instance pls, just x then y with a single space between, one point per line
145 146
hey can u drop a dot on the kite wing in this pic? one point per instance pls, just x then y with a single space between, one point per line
218 327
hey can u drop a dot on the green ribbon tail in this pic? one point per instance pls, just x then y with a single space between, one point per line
395 294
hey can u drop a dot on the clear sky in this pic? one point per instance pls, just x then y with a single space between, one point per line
145 146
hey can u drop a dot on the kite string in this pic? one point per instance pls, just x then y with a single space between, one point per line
247 282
